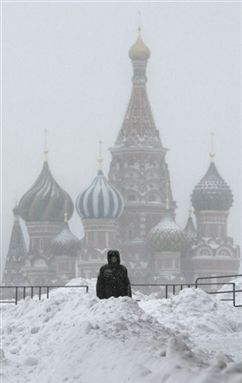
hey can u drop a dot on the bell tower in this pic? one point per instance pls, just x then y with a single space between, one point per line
138 168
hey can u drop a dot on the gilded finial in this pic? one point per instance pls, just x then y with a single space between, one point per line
167 197
139 51
65 213
100 159
139 22
46 146
15 209
15 198
190 212
212 154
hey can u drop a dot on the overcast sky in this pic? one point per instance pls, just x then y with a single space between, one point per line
66 69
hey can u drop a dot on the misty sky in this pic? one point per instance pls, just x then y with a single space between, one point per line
66 69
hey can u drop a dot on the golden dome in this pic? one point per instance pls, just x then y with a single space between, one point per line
139 51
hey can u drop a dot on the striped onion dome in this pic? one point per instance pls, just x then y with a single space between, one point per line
65 242
212 192
46 201
100 199
167 235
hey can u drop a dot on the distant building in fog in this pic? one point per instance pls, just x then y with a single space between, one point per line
133 210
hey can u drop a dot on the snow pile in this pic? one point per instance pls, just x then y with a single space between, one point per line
195 311
75 337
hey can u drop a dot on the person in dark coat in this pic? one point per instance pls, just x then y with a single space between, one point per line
113 278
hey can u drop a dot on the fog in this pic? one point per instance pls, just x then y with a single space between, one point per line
66 69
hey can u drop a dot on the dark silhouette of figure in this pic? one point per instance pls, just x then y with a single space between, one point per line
113 278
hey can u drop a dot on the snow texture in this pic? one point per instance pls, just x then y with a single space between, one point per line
74 337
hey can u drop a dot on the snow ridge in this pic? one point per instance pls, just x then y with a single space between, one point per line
75 337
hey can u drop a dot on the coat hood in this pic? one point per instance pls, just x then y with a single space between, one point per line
112 253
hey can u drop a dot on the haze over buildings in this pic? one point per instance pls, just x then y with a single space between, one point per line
66 70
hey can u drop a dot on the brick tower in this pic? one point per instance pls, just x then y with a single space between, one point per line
138 167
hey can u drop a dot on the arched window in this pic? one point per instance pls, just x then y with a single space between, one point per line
204 252
224 253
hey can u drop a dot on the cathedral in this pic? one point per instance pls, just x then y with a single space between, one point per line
132 209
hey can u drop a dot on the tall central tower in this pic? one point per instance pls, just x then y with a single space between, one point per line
138 167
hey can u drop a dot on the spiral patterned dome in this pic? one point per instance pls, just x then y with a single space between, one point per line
100 200
139 51
46 201
212 192
65 243
167 235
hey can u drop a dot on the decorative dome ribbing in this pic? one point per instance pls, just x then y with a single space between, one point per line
139 51
65 243
100 200
212 192
46 201
167 235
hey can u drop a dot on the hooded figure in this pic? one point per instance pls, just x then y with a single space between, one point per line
113 278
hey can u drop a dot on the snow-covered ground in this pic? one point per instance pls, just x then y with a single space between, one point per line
76 338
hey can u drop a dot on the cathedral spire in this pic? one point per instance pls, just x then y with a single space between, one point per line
46 151
100 158
167 197
16 256
138 126
65 214
189 228
212 153
139 22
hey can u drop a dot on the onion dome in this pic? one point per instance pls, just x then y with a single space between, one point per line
65 243
46 201
100 200
139 51
167 235
212 192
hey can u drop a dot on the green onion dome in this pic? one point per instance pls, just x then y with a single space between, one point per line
167 235
212 192
46 201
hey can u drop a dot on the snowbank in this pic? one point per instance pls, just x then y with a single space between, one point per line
195 311
75 337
